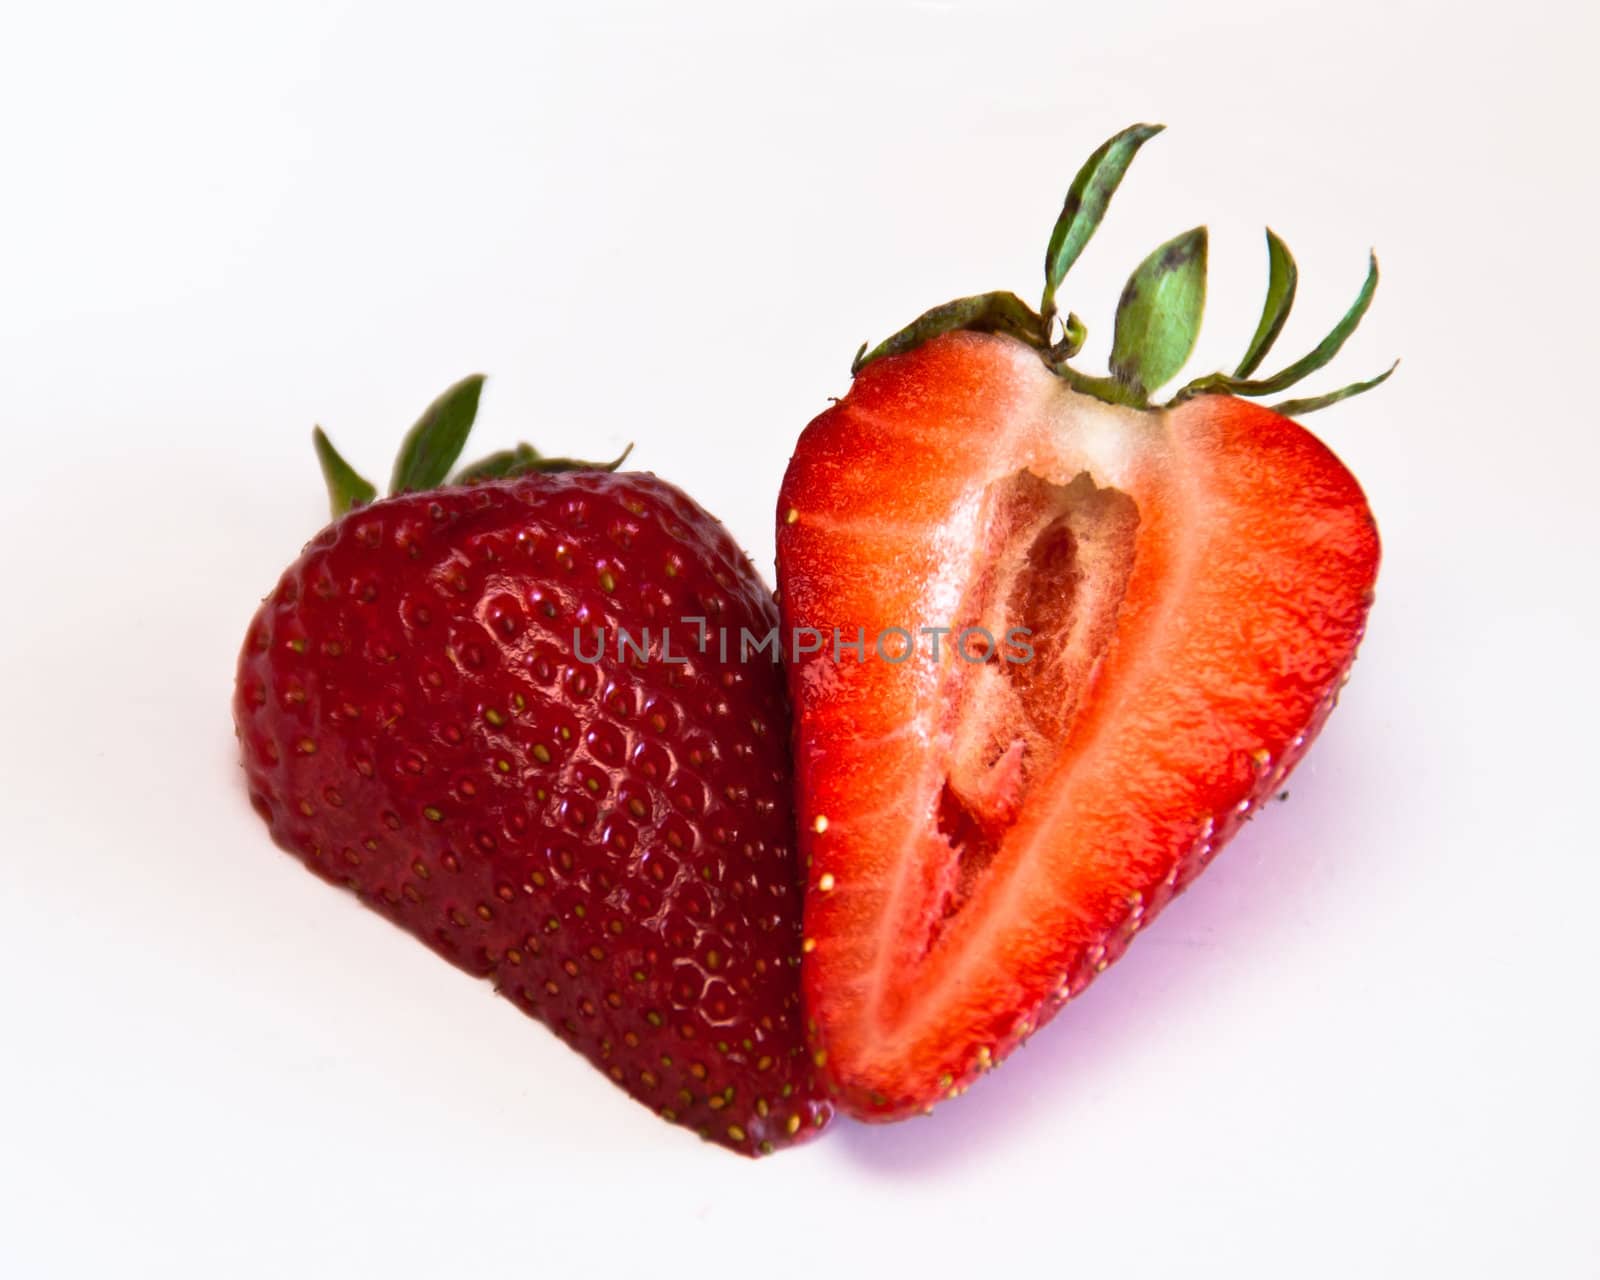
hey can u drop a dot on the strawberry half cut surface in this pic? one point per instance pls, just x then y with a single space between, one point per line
458 704
1053 642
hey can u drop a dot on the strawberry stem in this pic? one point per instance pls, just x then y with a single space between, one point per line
1073 333
1108 389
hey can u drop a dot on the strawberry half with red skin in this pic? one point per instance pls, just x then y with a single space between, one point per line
1169 596
611 842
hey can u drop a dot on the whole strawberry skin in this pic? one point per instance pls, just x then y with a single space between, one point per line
1161 603
609 841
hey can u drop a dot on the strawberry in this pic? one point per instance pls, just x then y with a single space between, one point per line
428 717
1054 641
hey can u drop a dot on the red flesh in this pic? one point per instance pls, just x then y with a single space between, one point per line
982 840
611 844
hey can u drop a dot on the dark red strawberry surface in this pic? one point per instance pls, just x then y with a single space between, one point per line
609 842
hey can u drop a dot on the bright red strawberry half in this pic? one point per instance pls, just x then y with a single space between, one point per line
434 713
1055 642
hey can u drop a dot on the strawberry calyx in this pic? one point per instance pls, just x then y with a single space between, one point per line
982 313
431 448
1158 315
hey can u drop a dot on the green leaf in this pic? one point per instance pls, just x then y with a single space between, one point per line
525 460
983 313
1282 277
1299 408
1158 318
1072 338
1087 199
550 466
347 488
498 465
432 446
1324 350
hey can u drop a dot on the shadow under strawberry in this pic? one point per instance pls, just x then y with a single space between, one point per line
1253 898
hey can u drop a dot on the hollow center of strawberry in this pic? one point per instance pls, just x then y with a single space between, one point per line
1050 570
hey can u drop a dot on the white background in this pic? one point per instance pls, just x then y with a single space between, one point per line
1364 1044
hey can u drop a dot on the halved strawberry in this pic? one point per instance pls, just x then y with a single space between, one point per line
1122 625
